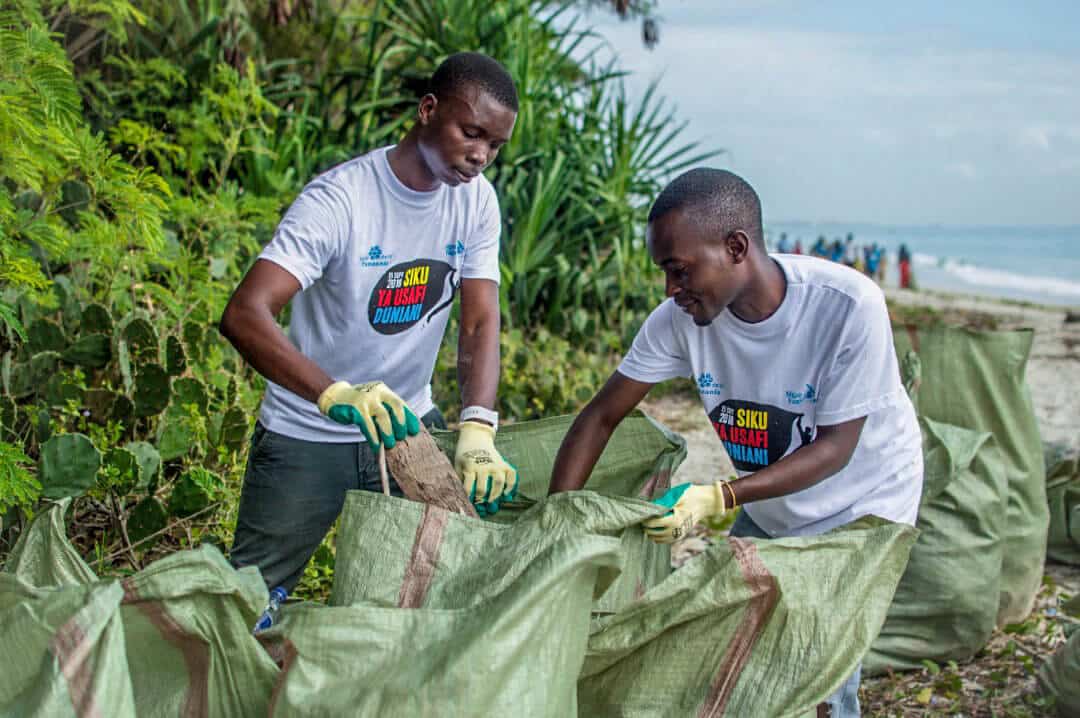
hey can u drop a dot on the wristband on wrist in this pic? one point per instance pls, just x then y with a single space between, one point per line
734 501
482 413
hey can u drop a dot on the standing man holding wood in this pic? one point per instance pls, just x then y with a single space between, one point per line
793 358
371 255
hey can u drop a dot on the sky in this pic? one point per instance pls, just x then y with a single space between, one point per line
952 113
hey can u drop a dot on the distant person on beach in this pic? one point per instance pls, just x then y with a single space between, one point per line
872 260
851 251
820 248
903 258
795 364
798 247
784 245
837 253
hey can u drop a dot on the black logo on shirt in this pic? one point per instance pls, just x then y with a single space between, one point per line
409 292
757 435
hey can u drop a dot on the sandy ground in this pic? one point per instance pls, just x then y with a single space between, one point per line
1053 375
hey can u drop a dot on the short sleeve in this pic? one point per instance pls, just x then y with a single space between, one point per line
863 376
656 354
312 232
482 245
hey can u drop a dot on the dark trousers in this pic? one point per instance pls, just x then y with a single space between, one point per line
293 492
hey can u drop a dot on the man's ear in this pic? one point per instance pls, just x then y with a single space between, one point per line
425 111
738 245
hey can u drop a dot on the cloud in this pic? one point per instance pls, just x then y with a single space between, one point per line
1035 137
866 113
964 170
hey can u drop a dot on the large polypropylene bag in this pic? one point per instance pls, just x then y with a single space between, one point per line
517 652
174 638
64 651
1063 497
749 628
946 605
639 461
1060 676
975 379
807 606
395 552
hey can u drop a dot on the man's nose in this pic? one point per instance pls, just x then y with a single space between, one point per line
477 156
670 287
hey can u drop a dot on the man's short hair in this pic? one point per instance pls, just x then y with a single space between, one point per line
474 68
717 197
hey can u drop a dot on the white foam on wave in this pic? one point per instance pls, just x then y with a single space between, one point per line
986 277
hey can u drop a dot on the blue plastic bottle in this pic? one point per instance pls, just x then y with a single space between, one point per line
277 597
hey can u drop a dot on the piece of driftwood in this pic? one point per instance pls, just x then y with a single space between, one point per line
425 474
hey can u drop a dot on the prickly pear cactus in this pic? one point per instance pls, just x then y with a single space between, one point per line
196 489
96 320
151 390
119 471
175 359
89 350
175 436
123 409
141 339
42 366
234 429
45 336
123 363
188 390
149 463
60 389
146 519
194 339
69 466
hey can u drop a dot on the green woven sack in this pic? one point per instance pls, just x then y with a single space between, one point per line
946 605
172 639
639 460
975 380
1060 676
1063 497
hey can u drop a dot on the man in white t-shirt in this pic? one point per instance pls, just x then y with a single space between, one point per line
794 362
371 255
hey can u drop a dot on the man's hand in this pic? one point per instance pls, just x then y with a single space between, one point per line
689 504
380 413
487 477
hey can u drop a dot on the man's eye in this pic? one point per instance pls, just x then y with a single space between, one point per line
471 134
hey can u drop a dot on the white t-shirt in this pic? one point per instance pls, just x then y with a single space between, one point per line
378 265
824 357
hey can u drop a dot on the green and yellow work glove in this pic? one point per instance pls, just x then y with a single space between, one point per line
487 476
689 504
380 413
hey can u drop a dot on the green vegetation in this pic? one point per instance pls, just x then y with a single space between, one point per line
149 150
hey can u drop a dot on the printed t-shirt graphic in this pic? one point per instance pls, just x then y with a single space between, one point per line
756 435
409 292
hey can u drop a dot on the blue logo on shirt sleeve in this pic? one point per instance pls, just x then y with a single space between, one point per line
455 248
798 397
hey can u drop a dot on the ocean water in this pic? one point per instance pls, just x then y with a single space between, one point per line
1036 264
